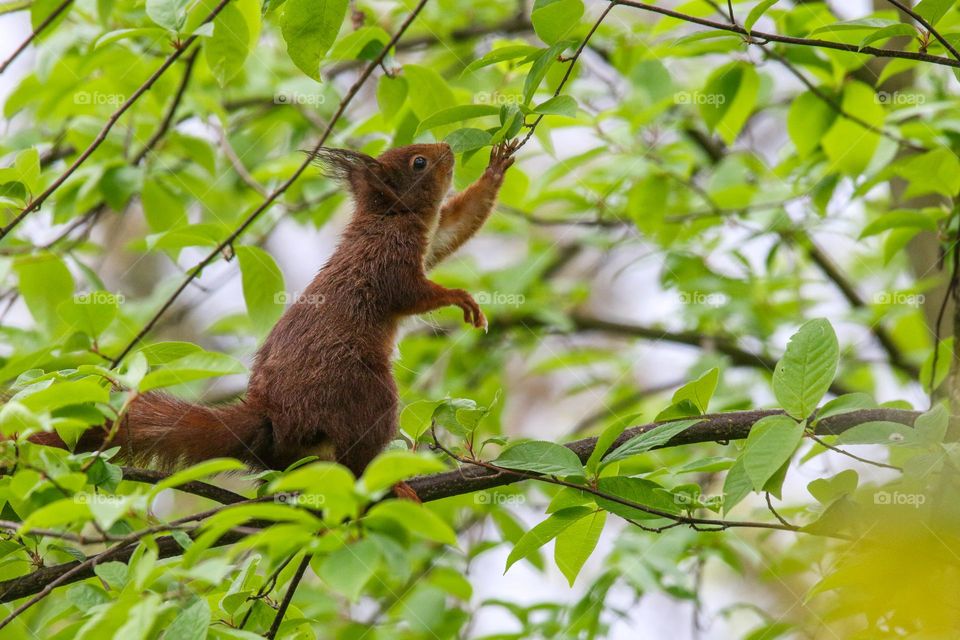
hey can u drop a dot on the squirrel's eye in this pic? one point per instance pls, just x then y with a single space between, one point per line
419 163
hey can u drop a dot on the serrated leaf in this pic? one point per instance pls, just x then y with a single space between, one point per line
806 370
541 457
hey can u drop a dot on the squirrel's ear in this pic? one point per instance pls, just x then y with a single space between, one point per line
366 177
343 164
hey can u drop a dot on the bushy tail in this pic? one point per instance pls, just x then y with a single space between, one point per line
164 432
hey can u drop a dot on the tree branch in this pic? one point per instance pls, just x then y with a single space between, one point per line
35 33
805 42
720 427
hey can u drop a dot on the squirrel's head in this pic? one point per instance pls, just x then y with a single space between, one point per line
406 180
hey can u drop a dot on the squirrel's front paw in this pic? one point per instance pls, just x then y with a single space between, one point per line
501 158
471 310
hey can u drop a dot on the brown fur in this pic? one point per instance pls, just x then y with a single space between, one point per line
323 377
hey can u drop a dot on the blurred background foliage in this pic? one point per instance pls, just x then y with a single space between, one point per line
688 200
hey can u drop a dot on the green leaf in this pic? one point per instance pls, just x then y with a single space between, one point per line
415 518
656 437
197 471
756 13
428 92
878 432
350 567
309 28
235 32
54 514
391 95
538 71
26 168
729 98
934 172
736 486
699 391
554 19
162 208
849 145
191 622
502 54
45 282
390 467
263 289
931 427
807 368
194 366
545 532
899 219
933 10
459 416
463 140
604 441
457 114
541 457
855 25
892 31
63 394
90 313
808 119
559 106
826 490
575 544
942 356
639 491
169 14
771 443
17 418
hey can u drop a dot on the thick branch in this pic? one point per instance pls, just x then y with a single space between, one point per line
721 427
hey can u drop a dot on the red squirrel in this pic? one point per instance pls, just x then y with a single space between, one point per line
322 382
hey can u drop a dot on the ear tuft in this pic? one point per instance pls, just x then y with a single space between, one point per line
341 164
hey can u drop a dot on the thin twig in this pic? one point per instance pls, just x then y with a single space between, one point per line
806 42
572 61
287 597
35 33
776 514
843 452
926 25
836 106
